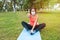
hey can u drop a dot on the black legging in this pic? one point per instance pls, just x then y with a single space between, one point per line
29 27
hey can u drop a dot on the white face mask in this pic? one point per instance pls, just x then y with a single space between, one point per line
33 13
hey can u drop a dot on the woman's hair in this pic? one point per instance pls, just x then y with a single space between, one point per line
31 9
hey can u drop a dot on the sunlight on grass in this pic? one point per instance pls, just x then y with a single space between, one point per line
10 25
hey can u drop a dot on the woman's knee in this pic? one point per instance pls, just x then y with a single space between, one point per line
22 22
44 24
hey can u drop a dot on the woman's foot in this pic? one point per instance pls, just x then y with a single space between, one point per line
32 32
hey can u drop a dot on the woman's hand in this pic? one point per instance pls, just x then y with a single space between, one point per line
32 31
28 14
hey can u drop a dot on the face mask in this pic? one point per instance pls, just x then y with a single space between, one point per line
33 13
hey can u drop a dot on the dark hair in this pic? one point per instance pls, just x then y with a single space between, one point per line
31 9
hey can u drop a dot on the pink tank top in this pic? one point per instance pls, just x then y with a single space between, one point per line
32 20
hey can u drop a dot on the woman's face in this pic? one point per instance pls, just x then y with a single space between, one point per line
33 12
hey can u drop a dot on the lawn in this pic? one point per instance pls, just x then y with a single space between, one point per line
10 25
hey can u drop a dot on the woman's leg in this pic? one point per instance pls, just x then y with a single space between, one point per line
26 26
40 26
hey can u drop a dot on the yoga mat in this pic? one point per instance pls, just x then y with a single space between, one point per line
25 35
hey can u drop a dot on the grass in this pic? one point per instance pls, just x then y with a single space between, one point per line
10 25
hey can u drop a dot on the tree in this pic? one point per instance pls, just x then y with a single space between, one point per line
28 4
1 4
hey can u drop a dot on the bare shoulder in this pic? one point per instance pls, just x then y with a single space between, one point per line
37 15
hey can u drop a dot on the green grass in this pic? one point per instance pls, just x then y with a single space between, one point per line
10 25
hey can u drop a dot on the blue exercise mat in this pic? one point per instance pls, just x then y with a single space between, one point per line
25 35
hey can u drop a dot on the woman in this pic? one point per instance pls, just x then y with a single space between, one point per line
33 25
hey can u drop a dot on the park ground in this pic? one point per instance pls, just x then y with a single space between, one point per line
10 25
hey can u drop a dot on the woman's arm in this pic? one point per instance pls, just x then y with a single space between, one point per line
28 15
35 23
